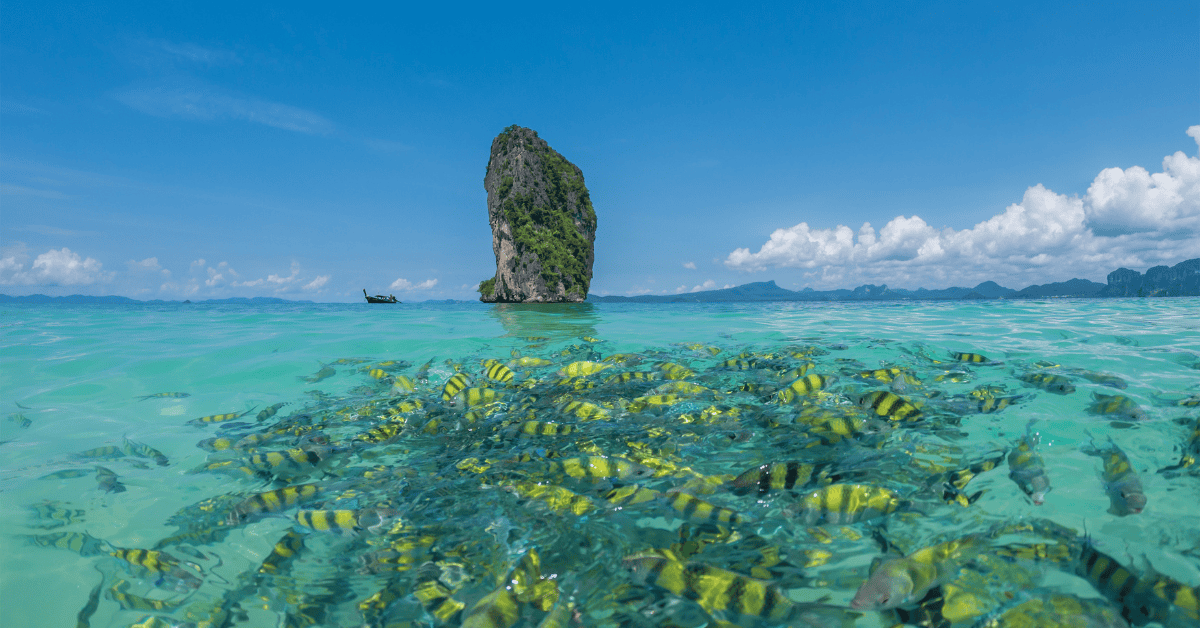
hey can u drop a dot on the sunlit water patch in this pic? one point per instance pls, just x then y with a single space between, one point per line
615 465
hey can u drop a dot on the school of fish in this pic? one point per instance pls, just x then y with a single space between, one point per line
691 486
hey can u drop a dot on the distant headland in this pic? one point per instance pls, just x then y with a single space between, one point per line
1180 280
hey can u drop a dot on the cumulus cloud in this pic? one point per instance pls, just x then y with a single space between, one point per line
316 284
1129 217
281 280
217 276
148 265
690 265
61 267
295 281
404 284
707 285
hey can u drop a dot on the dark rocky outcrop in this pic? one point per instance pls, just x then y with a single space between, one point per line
1073 288
1182 279
543 224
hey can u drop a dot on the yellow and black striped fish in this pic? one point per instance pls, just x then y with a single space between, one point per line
107 480
269 411
219 418
695 509
120 594
285 549
890 405
973 358
108 452
775 476
584 410
847 503
542 428
1137 600
435 596
1116 405
582 368
630 495
277 500
1120 479
803 386
497 371
715 590
559 499
286 462
150 560
596 468
1027 469
79 542
378 374
453 386
626 377
954 483
345 521
996 404
640 404
1049 382
165 395
671 370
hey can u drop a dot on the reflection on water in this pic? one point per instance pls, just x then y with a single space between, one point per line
553 321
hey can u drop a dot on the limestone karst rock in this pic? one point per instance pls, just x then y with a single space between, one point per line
1182 279
543 224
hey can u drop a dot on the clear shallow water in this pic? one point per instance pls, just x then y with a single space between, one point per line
79 371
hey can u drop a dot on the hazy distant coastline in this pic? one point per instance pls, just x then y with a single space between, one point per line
1180 280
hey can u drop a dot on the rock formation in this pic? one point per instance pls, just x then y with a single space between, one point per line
543 225
1182 279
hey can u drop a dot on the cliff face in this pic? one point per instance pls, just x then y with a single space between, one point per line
543 224
1182 279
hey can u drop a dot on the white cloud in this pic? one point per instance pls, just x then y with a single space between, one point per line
404 284
707 285
216 276
690 265
316 284
148 265
52 268
1127 218
208 103
280 280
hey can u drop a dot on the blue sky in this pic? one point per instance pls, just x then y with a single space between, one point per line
169 150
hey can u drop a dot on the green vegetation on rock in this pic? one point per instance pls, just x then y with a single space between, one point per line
542 199
487 287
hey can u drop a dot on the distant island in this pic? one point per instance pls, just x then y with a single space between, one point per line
1180 280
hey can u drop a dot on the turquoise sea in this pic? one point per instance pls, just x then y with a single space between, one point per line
450 499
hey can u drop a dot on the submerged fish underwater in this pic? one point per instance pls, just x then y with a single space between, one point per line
586 482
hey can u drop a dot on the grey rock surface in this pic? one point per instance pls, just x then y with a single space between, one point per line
543 224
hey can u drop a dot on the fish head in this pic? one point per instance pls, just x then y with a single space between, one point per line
1062 388
888 587
1129 502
